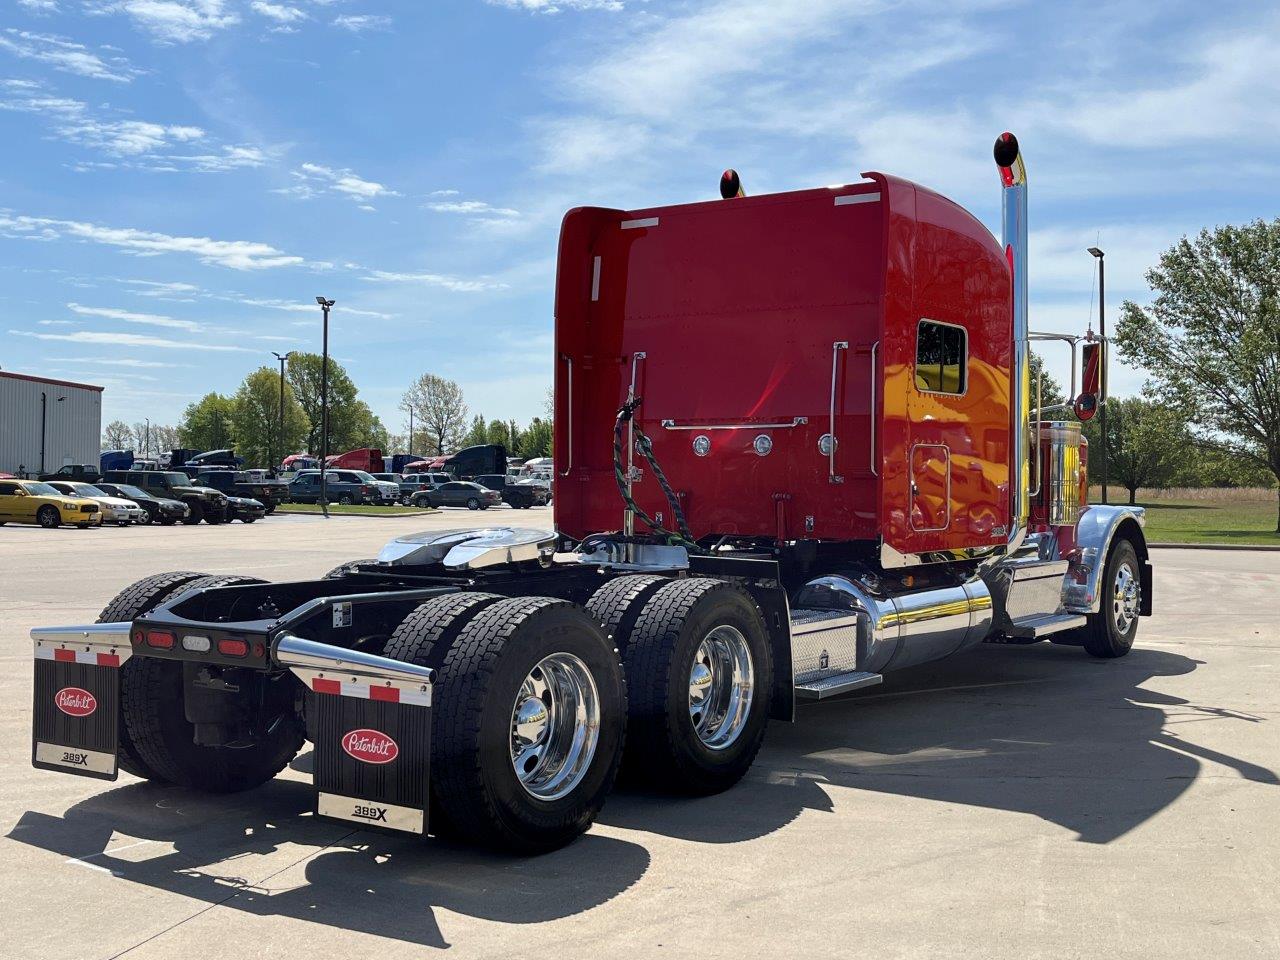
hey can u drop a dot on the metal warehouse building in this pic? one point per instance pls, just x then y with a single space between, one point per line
47 423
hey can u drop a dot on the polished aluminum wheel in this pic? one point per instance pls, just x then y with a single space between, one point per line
1126 597
555 726
721 687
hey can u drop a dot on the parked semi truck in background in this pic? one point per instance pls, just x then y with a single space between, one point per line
796 447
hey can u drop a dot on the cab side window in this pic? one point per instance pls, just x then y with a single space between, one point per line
942 357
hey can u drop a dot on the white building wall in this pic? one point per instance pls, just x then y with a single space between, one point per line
73 425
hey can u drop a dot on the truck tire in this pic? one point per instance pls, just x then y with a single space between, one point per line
343 569
195 513
213 517
618 603
131 602
345 499
428 633
1110 632
700 671
151 704
523 673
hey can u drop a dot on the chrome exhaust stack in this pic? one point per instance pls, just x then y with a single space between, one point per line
1013 176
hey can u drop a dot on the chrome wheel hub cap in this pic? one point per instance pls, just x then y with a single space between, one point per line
721 687
555 726
1126 598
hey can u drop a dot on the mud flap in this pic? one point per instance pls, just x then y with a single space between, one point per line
372 730
76 712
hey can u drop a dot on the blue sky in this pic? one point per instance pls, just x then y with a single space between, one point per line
180 178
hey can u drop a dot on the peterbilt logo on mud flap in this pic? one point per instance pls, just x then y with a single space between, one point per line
370 746
75 702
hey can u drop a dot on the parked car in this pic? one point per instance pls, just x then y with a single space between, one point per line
239 483
162 511
520 496
458 493
30 501
203 503
341 486
388 490
80 472
412 483
245 509
117 510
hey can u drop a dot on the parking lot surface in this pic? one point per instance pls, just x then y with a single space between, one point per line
1019 802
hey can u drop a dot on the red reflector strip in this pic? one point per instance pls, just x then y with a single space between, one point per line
66 656
389 694
326 686
108 660
233 648
160 639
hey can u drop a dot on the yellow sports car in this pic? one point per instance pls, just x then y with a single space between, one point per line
30 501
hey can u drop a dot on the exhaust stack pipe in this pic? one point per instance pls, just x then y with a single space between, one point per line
1013 176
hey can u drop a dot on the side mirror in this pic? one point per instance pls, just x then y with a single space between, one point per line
1086 405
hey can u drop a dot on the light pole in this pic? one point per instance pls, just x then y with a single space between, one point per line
1106 357
324 404
44 404
283 358
146 443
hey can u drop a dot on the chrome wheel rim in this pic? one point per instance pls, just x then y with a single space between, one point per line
721 687
1126 596
555 726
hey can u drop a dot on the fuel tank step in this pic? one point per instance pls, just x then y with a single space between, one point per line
1036 628
840 683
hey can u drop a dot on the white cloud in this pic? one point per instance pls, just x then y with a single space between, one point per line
66 56
39 6
235 254
443 193
163 291
358 23
477 208
457 284
130 340
116 362
126 316
294 306
556 6
172 21
314 179
279 12
56 323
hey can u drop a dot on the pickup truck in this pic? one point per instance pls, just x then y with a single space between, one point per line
341 486
269 493
521 496
76 473
203 503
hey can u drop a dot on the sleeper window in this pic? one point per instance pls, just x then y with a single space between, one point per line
941 358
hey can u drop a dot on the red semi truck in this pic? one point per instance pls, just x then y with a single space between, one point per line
797 446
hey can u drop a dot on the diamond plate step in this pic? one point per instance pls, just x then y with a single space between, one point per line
840 683
1034 628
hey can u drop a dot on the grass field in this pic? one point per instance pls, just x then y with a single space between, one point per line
1209 521
355 510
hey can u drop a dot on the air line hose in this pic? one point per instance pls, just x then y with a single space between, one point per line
626 414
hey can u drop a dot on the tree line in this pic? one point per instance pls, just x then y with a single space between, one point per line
250 419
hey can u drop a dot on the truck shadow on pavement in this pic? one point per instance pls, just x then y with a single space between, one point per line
1038 730
255 852
1044 730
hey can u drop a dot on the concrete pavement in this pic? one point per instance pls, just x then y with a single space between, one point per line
1010 802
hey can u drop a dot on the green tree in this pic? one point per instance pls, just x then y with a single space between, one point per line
440 409
477 433
1146 442
1219 468
499 432
206 424
255 419
536 440
348 418
1050 390
1211 338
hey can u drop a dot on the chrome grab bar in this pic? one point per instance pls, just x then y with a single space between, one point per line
1033 429
743 425
831 449
875 352
569 408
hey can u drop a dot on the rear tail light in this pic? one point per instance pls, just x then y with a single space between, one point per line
366 489
161 639
233 648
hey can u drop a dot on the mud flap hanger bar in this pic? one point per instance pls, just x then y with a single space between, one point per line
304 656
